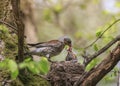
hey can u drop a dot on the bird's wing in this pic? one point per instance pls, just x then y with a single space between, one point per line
51 43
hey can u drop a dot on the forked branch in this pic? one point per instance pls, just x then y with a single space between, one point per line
90 58
92 77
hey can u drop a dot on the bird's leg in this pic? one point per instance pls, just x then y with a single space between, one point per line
48 57
50 60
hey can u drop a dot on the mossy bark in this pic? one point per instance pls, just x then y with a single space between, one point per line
9 49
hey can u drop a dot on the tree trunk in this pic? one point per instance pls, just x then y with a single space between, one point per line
9 46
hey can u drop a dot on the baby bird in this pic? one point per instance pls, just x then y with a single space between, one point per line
50 48
71 56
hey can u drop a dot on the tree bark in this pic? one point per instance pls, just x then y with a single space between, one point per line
9 44
92 77
20 28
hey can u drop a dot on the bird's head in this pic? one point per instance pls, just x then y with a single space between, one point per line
67 41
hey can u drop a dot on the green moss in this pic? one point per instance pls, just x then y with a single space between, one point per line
10 41
10 51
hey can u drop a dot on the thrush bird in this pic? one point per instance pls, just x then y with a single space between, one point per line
71 56
50 48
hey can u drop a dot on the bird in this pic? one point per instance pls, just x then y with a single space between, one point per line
50 48
71 56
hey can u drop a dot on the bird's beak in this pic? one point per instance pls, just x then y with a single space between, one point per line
70 47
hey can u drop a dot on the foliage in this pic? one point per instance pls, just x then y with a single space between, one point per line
104 39
91 17
9 67
92 64
40 67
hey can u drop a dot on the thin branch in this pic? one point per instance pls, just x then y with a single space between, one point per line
90 58
9 25
92 77
102 33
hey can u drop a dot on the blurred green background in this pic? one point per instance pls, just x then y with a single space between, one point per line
82 20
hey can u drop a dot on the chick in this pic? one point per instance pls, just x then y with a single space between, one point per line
71 56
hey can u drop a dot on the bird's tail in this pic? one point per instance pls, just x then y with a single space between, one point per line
33 44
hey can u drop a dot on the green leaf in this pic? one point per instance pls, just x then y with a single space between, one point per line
98 32
27 60
14 74
32 67
3 29
44 65
12 67
95 47
22 65
92 64
58 8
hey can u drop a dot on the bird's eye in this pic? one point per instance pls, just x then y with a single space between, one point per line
69 41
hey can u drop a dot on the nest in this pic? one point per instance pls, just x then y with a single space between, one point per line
65 73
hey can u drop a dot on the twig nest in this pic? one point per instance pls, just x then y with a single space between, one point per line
65 73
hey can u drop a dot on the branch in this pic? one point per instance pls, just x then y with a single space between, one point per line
90 58
102 33
20 27
9 25
92 77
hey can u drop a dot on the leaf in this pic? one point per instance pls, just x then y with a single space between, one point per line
44 66
98 32
58 8
92 64
31 66
12 67
14 74
3 29
95 47
27 60
22 65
